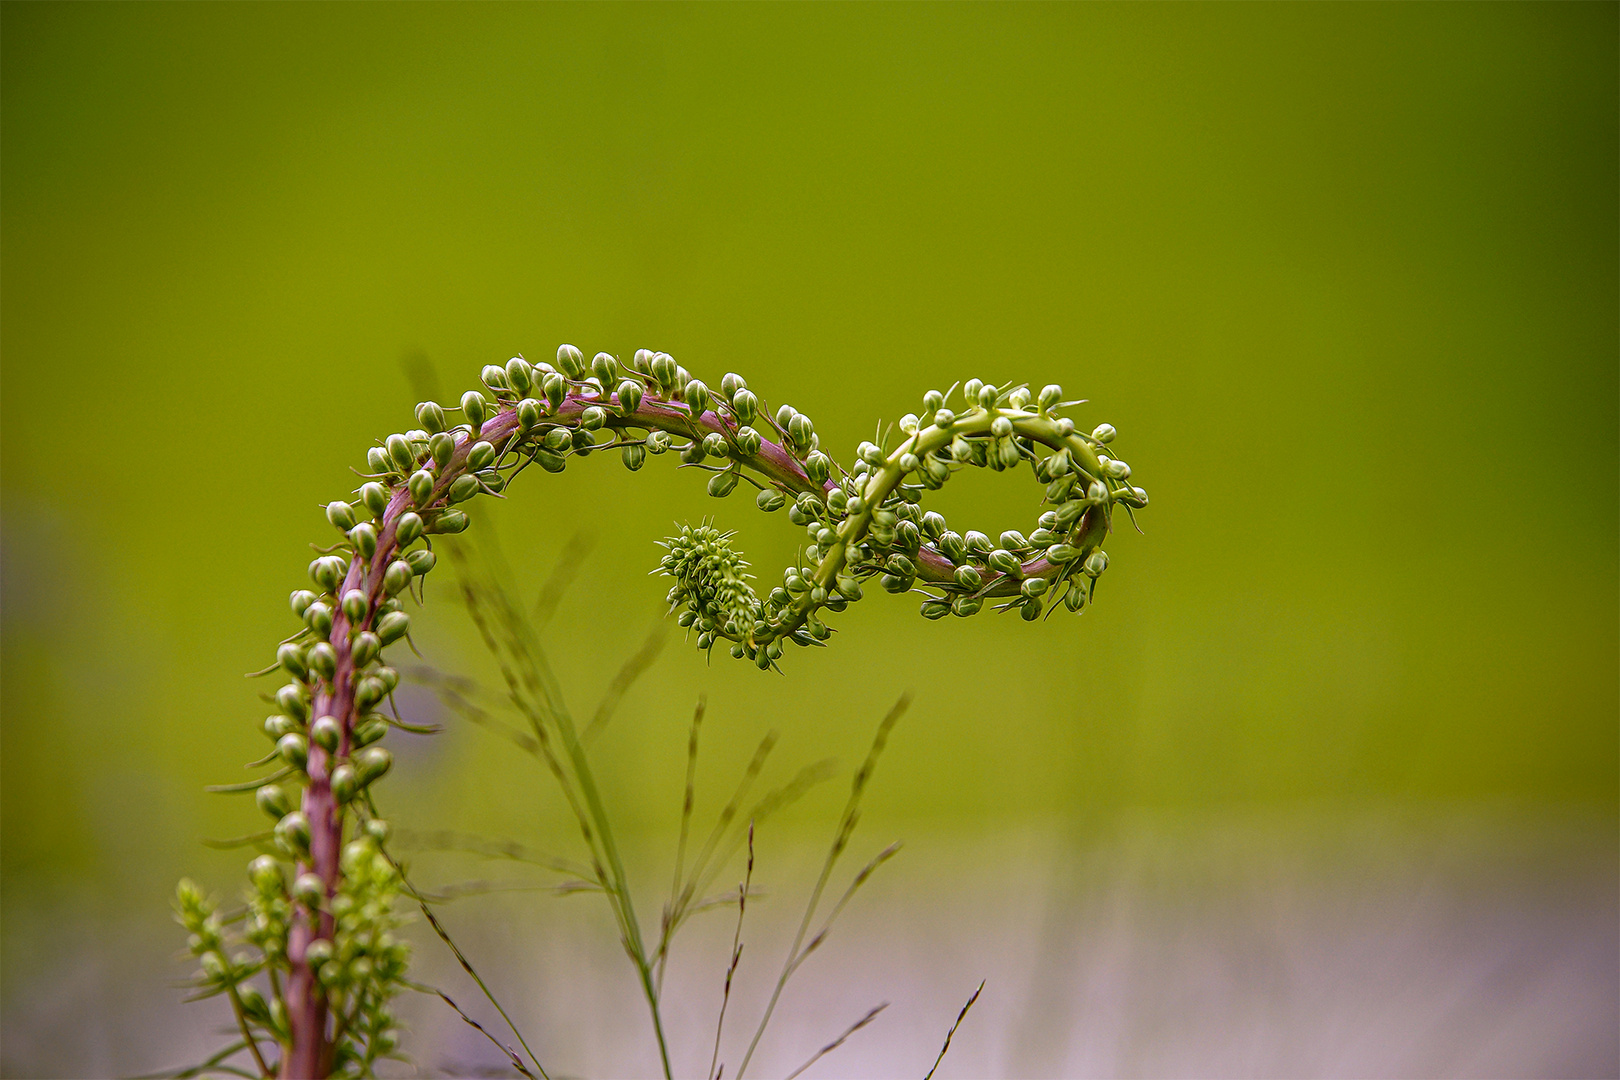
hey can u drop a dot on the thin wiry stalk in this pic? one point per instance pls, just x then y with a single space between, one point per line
533 690
687 802
846 826
461 958
632 670
736 953
517 1062
836 1043
959 1018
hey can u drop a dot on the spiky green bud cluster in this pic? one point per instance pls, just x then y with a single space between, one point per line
862 523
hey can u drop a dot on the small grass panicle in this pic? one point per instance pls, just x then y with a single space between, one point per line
313 965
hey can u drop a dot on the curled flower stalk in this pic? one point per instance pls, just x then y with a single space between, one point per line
323 946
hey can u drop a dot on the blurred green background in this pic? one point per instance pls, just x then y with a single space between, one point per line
1344 277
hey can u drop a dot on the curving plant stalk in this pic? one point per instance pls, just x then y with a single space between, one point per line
323 943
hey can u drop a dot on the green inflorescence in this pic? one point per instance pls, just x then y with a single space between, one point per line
322 946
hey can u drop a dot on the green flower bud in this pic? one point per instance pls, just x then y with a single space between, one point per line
1065 427
664 369
901 566
1018 399
290 699
557 439
407 528
400 452
1097 492
494 377
800 431
969 577
966 605
1075 598
364 538
848 586
961 450
442 447
748 441
952 547
1117 469
366 647
519 374
592 418
344 783
872 454
378 830
744 405
370 690
970 390
325 733
355 606
431 417
291 657
369 732
895 583
1096 563
549 461
300 600
605 366
1068 514
722 483
555 388
374 497
629 396
785 415
1136 498
932 525
265 873
322 660
481 456
714 444
318 617
696 396
1051 394
978 543
1034 586
272 799
570 361
393 626
294 749
340 514
475 409
1043 538
1001 427
770 500
309 890
1010 454
420 486
837 501
1030 609
935 609
318 952
1062 553
987 397
327 571
421 561
529 413
633 457
944 418
378 461
731 383
1104 433
910 462
462 488
371 763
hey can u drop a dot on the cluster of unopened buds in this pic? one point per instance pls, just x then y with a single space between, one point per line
862 523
